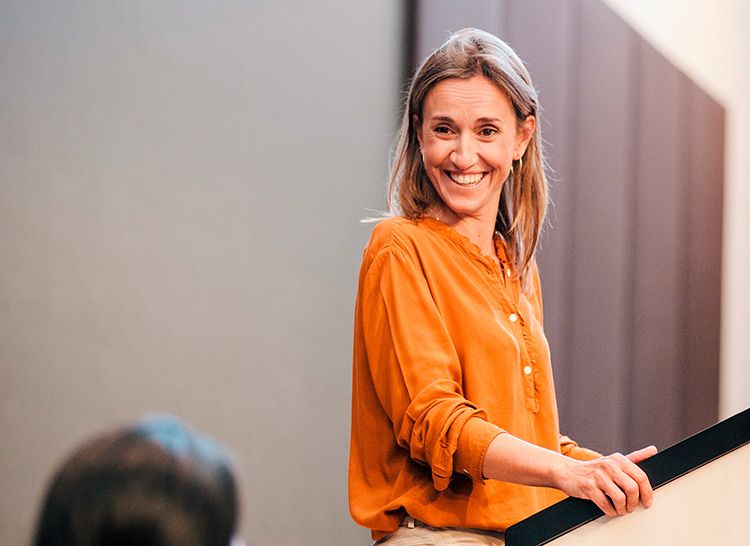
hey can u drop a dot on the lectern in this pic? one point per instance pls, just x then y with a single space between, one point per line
702 497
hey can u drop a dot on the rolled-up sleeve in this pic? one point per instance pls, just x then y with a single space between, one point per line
571 449
416 371
472 447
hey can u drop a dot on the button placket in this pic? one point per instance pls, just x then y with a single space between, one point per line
509 304
532 402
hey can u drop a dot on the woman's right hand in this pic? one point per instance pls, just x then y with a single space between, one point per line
614 483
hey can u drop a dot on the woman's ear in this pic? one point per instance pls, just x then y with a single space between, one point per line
417 129
526 130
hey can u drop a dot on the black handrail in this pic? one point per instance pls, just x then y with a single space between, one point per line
664 467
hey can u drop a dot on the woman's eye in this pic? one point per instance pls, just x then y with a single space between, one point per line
442 130
488 131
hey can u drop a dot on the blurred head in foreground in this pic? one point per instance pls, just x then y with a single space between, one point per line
154 483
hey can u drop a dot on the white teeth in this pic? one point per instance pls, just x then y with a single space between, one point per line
466 179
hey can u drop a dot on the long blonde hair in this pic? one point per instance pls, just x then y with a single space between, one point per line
523 202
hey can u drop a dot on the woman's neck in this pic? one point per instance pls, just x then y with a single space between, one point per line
480 231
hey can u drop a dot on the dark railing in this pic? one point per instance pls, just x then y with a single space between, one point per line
662 468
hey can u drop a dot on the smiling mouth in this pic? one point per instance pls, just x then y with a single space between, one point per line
466 179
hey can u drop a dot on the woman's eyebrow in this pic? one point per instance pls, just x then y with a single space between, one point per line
442 118
449 119
490 120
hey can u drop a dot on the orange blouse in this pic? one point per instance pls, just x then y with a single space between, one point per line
449 352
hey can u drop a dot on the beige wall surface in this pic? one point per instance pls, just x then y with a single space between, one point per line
180 189
710 42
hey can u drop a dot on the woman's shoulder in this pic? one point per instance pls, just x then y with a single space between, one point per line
399 242
398 232
393 226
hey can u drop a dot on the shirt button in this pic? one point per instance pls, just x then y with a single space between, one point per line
527 370
513 317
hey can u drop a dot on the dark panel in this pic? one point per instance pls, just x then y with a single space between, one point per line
602 228
702 305
658 290
631 254
553 68
408 43
436 19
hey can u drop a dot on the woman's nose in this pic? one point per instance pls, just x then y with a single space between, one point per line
464 155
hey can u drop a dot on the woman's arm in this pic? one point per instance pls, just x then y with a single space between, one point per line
413 367
614 483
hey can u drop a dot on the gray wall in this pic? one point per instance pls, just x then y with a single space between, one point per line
180 185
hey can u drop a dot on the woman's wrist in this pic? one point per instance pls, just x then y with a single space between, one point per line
560 470
513 460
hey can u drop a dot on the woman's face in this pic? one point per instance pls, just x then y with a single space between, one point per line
469 137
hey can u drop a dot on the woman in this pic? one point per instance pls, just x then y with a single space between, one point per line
454 412
155 483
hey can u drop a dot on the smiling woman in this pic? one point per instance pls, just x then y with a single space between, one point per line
455 432
469 138
510 101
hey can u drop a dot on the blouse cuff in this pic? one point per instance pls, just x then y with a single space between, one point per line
571 449
473 442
